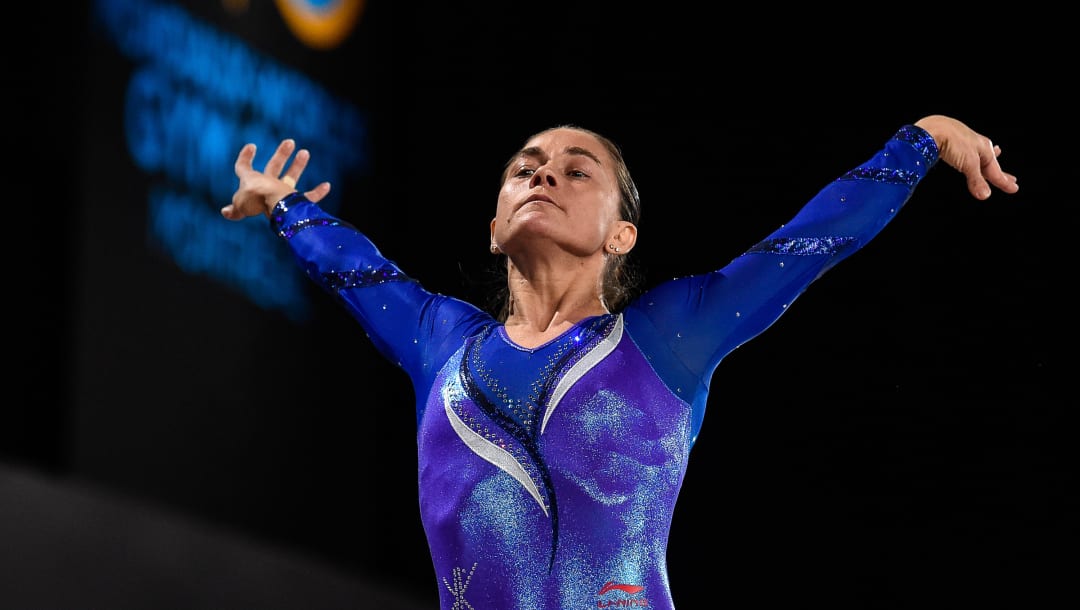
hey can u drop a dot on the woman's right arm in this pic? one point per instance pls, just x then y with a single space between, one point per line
409 325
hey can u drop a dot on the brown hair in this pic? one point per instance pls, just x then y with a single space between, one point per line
621 276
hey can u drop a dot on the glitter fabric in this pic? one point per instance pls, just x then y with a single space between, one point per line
805 246
548 476
358 278
288 231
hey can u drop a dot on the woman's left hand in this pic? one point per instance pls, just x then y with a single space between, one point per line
970 153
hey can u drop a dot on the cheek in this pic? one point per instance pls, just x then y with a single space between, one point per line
608 214
508 194
502 205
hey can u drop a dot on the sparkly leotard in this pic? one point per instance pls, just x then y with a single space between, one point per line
548 475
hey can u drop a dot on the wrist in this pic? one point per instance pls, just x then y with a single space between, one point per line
281 202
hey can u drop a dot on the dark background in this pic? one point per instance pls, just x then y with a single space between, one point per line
897 440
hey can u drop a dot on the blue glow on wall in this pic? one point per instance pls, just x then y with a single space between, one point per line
197 94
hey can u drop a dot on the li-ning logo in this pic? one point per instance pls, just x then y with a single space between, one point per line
622 602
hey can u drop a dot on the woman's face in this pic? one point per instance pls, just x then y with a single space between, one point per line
559 189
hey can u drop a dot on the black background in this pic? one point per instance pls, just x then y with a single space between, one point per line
898 439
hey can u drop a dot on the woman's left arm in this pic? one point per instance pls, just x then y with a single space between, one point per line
692 323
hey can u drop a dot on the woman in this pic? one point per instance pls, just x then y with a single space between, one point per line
553 438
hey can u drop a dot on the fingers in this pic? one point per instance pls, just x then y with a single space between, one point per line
1004 181
258 191
317 193
998 177
976 157
275 167
975 166
970 153
235 209
990 173
978 186
244 159
230 213
299 164
277 161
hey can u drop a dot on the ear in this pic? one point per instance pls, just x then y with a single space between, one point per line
623 237
494 248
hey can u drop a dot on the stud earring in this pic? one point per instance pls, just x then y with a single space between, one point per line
494 248
613 248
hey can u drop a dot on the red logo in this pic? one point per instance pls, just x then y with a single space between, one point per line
614 586
622 602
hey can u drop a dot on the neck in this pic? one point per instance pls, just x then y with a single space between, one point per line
546 299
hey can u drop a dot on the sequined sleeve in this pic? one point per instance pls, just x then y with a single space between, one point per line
689 324
410 326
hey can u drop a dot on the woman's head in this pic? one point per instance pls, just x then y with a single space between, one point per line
630 201
569 187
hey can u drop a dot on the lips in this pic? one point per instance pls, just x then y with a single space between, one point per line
536 198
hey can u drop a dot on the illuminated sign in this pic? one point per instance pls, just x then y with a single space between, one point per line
321 24
195 96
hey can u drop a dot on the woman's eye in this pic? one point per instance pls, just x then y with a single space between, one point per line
525 172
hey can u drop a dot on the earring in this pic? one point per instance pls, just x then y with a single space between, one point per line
613 248
494 248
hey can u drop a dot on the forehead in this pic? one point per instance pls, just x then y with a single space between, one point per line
564 141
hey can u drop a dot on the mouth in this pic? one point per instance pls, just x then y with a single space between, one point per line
536 198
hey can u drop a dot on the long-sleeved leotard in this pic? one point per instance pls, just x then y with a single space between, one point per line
548 475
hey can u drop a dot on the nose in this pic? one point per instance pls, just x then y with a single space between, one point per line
543 176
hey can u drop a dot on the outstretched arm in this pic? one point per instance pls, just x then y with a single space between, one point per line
970 153
410 326
693 322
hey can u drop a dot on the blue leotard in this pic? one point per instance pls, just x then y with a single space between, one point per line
548 476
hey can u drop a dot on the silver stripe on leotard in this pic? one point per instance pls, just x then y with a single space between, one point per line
598 353
490 451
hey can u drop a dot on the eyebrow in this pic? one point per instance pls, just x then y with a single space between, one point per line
537 152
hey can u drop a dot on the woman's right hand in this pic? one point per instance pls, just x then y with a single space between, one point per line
259 192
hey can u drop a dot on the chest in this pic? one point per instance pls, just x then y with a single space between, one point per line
586 412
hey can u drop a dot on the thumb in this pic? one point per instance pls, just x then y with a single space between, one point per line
316 194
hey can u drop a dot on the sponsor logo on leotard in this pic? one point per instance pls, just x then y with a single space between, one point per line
621 595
